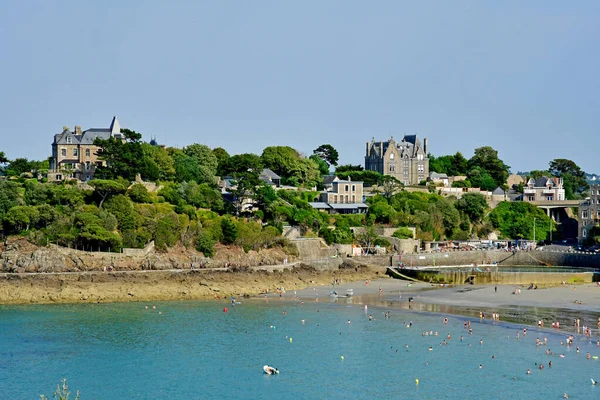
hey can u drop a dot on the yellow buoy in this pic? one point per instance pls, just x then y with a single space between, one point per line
416 381
290 340
342 357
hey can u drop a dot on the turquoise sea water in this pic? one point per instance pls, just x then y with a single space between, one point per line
193 350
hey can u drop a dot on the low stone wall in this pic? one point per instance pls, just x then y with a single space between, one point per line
502 258
511 278
312 249
139 252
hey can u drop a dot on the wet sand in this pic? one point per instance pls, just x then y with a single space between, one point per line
563 303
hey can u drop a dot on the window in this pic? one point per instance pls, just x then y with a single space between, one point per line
335 198
353 198
87 152
584 232
87 165
63 152
392 167
69 140
346 188
354 188
75 152
392 157
584 214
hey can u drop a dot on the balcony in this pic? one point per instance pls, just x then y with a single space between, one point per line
529 191
548 191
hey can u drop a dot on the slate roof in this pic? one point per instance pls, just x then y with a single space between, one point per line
435 175
266 172
498 191
320 205
345 206
88 136
407 147
328 179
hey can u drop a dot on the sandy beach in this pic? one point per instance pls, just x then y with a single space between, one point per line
562 303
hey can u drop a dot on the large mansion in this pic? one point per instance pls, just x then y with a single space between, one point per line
405 160
74 154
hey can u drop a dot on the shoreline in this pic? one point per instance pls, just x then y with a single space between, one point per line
563 303
548 304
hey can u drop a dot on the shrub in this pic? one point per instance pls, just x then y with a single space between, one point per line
403 233
205 244
139 194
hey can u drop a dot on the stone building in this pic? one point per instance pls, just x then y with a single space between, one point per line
544 189
74 153
344 197
589 213
405 160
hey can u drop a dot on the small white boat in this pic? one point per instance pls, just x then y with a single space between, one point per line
270 370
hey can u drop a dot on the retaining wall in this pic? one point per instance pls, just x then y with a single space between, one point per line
512 278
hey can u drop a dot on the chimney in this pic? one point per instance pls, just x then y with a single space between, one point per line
425 145
368 152
77 130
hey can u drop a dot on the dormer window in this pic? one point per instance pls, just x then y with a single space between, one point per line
69 139
392 156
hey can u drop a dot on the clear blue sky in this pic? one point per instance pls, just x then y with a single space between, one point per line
520 76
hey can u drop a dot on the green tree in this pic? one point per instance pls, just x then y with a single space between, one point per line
125 158
322 164
9 196
18 167
241 164
574 180
187 168
139 194
161 158
486 159
205 243
20 218
222 156
327 153
479 177
459 165
291 166
207 160
106 188
390 187
440 164
229 229
473 205
516 220
342 169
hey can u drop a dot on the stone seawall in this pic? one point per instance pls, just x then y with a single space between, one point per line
512 278
488 257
